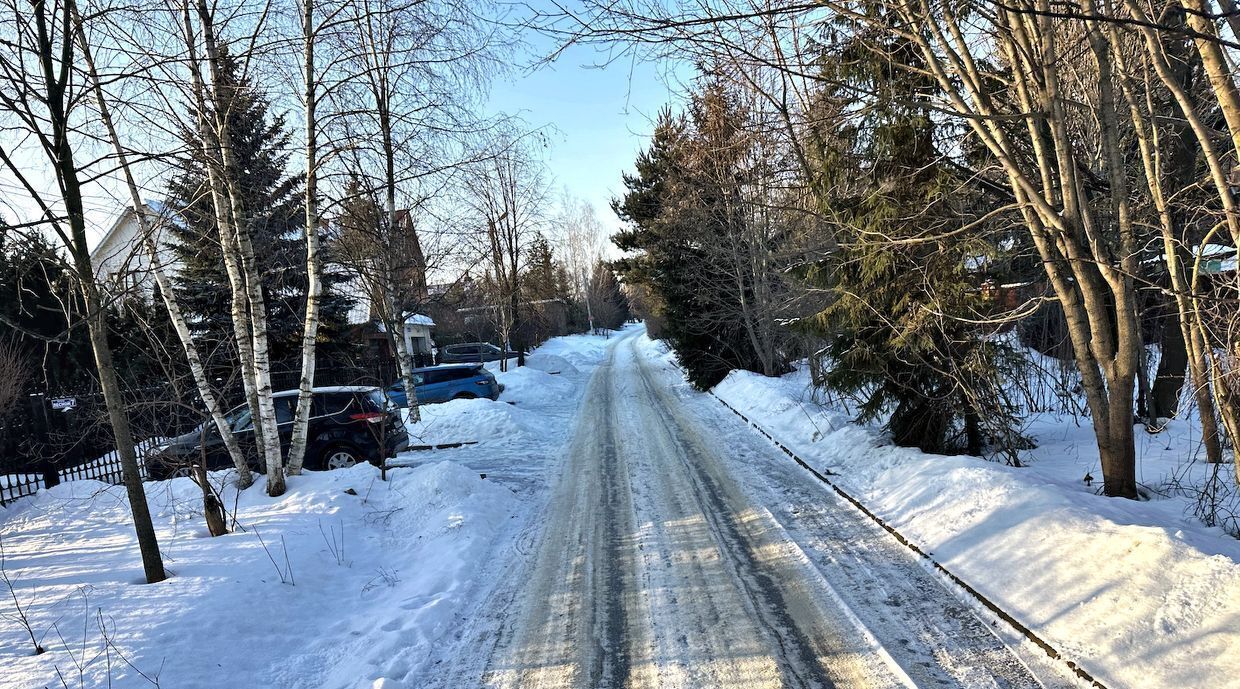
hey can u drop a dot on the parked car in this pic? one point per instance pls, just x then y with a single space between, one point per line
348 425
449 382
473 352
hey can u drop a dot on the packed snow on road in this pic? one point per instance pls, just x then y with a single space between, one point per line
629 532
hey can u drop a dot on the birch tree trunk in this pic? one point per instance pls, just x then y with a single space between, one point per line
380 85
314 269
396 332
248 310
244 477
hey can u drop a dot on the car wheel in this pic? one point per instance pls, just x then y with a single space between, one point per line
465 396
338 457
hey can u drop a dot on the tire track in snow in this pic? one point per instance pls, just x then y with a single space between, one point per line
658 565
810 647
611 661
558 619
926 629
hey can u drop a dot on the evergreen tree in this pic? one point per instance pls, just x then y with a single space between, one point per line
274 212
541 280
688 223
899 324
42 312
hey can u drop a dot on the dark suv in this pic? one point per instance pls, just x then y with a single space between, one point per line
348 425
472 352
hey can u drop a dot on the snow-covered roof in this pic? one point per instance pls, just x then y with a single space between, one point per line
1216 258
1212 250
415 319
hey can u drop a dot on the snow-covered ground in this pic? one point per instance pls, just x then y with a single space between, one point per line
345 581
682 551
1141 594
649 539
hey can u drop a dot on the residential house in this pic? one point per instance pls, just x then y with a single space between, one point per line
121 261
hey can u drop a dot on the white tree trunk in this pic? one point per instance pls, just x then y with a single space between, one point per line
244 476
314 283
248 309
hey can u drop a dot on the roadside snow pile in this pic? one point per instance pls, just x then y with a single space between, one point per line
550 363
1139 593
581 351
353 581
527 386
473 420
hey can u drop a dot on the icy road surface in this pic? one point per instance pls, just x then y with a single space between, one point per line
679 549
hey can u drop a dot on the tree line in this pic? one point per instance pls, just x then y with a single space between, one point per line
930 198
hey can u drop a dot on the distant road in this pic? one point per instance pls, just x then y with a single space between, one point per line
679 549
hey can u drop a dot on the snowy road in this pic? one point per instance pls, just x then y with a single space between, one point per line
678 549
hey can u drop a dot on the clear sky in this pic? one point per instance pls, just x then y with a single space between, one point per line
598 118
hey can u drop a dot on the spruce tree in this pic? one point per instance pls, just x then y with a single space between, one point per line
41 310
685 211
545 277
899 324
274 212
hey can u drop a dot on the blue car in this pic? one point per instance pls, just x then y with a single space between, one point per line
448 382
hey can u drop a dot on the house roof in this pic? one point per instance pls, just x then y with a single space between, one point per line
415 319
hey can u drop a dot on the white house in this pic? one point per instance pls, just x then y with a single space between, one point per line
120 259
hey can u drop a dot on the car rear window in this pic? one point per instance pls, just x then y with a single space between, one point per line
375 400
328 404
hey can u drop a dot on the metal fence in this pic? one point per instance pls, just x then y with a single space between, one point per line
66 436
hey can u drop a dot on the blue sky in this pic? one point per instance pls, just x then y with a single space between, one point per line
598 118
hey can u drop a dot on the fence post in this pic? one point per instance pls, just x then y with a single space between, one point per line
42 440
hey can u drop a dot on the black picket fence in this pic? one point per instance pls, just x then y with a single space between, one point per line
67 436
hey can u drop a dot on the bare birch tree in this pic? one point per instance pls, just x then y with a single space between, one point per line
210 101
42 94
507 194
420 67
147 232
581 243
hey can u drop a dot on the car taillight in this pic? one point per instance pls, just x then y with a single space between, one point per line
372 416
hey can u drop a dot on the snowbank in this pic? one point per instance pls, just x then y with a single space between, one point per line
1139 593
473 420
366 576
